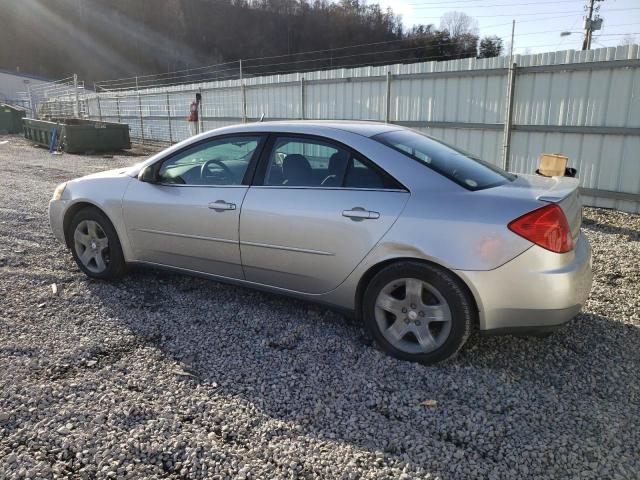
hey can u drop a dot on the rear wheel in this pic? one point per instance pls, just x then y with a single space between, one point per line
95 245
418 312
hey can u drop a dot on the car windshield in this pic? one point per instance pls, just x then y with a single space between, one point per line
461 167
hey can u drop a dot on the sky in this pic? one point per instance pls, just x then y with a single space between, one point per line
538 23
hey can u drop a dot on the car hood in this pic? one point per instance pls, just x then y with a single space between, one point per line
115 173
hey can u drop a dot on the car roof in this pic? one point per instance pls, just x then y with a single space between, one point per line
366 129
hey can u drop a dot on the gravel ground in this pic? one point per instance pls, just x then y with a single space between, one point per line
166 376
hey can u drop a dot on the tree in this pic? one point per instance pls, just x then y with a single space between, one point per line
490 46
106 39
463 32
458 24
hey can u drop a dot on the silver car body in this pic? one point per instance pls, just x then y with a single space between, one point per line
295 240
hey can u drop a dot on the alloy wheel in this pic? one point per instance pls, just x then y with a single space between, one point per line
412 315
92 246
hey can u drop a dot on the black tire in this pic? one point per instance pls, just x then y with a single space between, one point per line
460 304
115 265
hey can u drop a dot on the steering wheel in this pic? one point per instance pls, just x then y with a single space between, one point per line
228 174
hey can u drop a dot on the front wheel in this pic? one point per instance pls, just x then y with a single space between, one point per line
95 245
418 312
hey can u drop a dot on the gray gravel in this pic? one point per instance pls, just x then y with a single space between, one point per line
162 375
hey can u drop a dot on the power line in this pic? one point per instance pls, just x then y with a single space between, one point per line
131 80
543 13
420 6
354 55
167 76
387 42
174 71
386 62
467 2
171 84
572 27
312 69
407 49
120 84
616 34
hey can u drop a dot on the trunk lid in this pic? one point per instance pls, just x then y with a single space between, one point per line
561 190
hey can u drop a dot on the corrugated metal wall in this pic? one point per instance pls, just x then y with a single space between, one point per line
584 104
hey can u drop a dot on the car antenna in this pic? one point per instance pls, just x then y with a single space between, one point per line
261 117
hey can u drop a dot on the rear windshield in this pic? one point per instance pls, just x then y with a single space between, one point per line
461 167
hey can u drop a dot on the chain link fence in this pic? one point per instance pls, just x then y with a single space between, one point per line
61 98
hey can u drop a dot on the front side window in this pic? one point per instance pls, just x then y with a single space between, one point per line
464 169
310 162
215 162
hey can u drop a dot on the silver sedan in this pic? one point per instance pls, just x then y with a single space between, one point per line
418 239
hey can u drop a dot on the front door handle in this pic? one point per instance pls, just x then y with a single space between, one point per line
220 205
359 213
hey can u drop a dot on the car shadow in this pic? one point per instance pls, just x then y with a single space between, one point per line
310 367
633 235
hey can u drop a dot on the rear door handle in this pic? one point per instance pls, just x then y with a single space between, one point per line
220 205
359 213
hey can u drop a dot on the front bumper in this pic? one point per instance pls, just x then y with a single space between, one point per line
537 291
56 219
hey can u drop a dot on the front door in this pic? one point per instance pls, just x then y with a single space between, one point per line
190 217
316 212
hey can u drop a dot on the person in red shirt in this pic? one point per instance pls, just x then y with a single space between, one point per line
193 115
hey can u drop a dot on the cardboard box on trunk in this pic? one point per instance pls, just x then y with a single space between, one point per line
553 164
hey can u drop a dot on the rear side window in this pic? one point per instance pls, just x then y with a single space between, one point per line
359 175
464 169
312 162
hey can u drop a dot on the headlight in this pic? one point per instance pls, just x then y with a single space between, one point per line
57 193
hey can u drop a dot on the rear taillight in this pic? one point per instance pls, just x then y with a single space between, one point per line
547 227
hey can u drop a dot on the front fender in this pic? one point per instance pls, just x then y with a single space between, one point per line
103 193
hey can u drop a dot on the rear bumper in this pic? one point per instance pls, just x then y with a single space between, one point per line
535 292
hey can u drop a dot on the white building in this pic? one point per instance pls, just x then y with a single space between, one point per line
13 86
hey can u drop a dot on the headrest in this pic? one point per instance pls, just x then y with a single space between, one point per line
338 163
296 169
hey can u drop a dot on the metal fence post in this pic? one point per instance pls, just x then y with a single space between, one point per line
387 113
75 88
244 102
508 117
118 109
302 99
32 106
140 111
243 94
99 108
200 110
169 119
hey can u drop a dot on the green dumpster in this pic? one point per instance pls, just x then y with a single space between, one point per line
11 118
77 135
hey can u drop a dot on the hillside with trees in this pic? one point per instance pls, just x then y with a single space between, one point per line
102 39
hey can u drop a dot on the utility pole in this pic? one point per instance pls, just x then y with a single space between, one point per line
508 115
513 33
591 24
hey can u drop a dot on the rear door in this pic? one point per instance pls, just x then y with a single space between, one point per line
190 217
315 210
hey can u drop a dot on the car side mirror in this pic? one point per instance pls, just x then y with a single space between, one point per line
148 174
